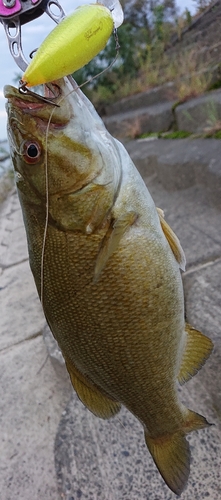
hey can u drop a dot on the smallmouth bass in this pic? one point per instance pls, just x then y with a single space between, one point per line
110 286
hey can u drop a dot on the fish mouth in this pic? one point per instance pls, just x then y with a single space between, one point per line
51 104
31 100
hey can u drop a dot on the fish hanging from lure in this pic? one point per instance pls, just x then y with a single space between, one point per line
110 285
76 40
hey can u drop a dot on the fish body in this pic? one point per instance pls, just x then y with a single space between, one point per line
110 278
71 44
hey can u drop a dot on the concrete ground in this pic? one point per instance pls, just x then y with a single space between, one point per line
32 396
51 446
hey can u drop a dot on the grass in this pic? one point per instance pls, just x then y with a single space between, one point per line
216 85
150 135
190 71
217 135
184 68
179 134
209 133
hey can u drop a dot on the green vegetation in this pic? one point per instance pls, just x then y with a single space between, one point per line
216 135
216 85
150 135
183 134
179 134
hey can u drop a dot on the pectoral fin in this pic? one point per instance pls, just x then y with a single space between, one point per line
173 241
112 239
98 403
197 350
171 452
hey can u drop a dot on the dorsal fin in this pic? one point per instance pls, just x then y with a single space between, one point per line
111 240
172 240
197 350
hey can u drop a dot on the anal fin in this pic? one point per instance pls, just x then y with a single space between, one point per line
173 241
197 350
91 396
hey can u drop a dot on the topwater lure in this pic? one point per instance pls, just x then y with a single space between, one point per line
71 44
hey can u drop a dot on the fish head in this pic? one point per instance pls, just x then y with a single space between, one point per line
33 139
59 151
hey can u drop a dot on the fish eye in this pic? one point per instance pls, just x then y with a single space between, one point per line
31 152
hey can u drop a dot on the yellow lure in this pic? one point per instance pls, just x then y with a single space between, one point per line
71 44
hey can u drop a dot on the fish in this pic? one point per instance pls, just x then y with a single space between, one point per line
107 268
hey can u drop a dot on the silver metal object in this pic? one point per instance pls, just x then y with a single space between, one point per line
9 3
14 13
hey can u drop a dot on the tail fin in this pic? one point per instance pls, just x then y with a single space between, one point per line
171 453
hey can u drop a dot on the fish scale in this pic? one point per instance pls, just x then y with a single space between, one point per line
112 288
114 316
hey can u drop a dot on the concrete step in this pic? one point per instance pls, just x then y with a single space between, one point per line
196 116
155 118
163 93
199 114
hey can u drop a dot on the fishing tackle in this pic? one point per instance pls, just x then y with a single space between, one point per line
24 90
71 44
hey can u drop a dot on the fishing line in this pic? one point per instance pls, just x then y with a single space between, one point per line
46 208
25 90
119 421
42 365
